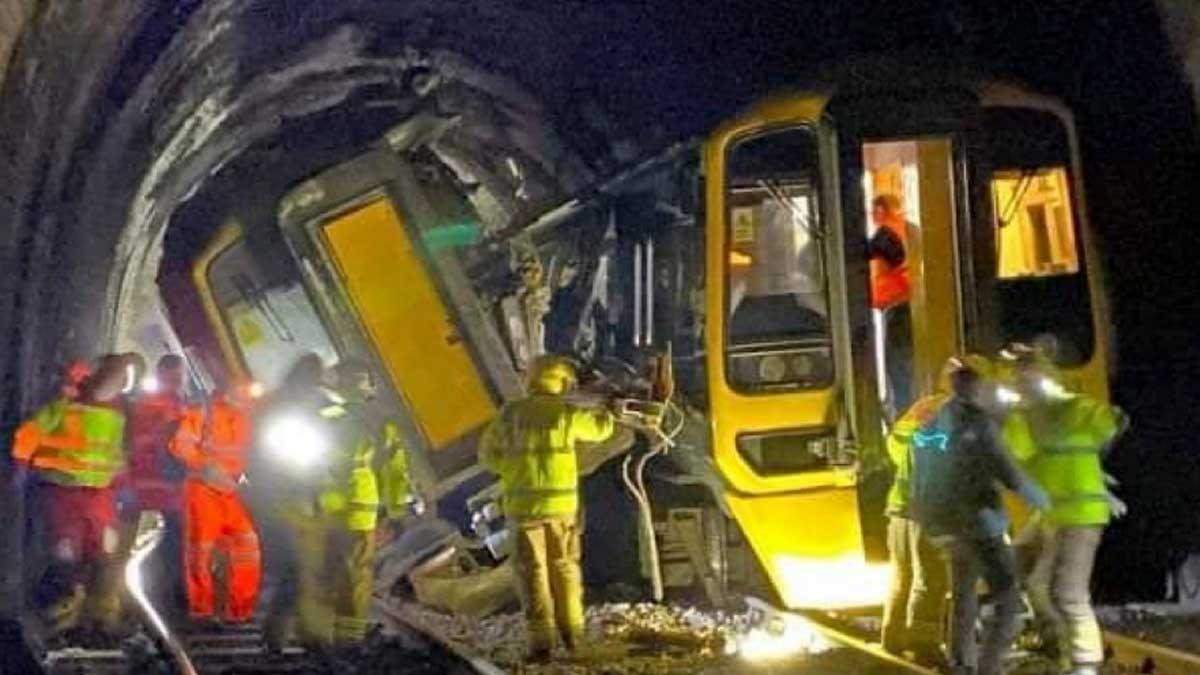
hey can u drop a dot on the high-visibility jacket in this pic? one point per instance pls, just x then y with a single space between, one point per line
531 446
1061 443
395 485
899 447
890 278
73 444
351 490
219 438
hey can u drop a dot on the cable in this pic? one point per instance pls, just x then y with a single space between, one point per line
636 484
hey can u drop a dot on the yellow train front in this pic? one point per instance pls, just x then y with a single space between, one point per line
742 256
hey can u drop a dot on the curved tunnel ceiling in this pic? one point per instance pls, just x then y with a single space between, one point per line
118 113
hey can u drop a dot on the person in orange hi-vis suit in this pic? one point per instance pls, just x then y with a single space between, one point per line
213 444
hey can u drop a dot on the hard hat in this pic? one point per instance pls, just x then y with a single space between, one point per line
976 363
77 371
552 375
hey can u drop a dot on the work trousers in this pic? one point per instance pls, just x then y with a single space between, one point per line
898 345
216 521
83 579
992 559
323 574
546 555
1059 591
914 612
351 566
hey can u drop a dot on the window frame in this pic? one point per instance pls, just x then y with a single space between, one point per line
817 205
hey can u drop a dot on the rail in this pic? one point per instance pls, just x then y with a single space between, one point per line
831 631
1148 657
478 664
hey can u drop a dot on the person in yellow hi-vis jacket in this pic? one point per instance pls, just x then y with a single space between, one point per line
1061 437
331 477
531 446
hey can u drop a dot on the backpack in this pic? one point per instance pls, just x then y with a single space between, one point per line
938 486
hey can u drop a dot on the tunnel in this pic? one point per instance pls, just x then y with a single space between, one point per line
132 130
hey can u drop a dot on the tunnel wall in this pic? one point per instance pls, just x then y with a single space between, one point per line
113 113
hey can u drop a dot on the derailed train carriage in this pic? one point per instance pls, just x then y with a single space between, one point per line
729 274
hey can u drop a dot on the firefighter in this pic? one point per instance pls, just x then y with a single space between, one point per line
75 449
1062 437
156 475
914 612
531 446
957 463
213 443
350 498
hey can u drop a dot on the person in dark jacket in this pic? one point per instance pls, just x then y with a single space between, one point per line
959 464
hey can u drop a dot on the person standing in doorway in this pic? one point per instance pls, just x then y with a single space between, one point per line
887 253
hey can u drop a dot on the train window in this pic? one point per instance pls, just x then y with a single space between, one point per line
1040 285
777 322
271 325
1035 232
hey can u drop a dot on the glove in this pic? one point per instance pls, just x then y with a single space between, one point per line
1034 495
1116 506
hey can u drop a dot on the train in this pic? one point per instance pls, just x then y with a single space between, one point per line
723 282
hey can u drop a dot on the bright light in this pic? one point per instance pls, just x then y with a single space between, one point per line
130 378
150 384
1007 396
780 635
830 583
1052 389
294 440
256 390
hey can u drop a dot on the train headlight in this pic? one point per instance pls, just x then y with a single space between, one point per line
295 441
771 368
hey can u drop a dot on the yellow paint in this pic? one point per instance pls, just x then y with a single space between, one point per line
934 274
401 310
227 237
804 526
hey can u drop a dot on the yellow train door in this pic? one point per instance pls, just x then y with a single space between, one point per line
394 296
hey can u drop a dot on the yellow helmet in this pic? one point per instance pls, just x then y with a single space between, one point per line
551 375
976 363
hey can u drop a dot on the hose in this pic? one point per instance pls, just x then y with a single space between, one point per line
636 484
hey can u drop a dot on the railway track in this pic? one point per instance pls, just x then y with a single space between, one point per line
1140 656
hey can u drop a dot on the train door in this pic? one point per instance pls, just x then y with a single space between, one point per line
775 327
902 177
360 231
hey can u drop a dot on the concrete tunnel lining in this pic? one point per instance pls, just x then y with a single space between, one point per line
91 180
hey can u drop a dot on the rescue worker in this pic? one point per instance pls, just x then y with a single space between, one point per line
531 446
213 443
75 449
958 463
284 483
1062 437
914 611
157 476
887 254
350 499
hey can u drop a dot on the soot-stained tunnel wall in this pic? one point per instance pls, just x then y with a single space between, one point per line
116 113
